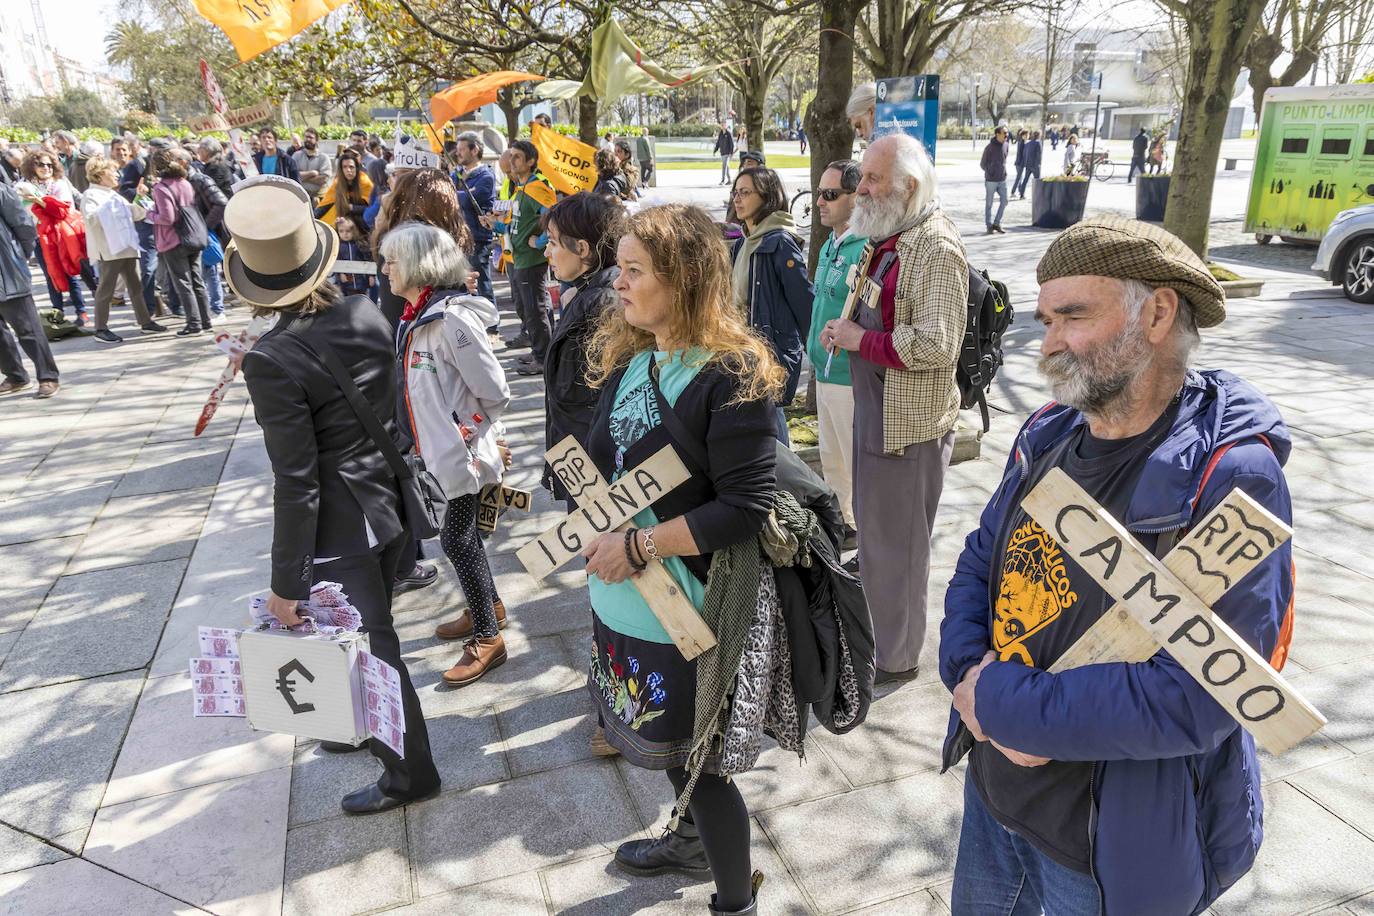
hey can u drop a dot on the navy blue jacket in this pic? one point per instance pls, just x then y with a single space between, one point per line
286 166
780 297
1033 154
1176 786
476 195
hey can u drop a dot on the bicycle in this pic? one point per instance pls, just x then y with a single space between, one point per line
1097 165
802 206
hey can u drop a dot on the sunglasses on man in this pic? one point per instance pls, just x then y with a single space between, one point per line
831 195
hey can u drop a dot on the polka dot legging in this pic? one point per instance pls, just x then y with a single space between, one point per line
464 550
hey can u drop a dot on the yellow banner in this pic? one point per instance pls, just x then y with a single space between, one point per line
565 161
255 26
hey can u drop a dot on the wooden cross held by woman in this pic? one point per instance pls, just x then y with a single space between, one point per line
606 507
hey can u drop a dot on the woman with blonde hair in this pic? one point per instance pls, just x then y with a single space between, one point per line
113 245
678 367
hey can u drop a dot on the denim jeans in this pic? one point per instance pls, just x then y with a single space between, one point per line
214 292
147 264
1000 189
998 872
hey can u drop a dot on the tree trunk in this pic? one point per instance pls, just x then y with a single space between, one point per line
826 125
755 100
505 100
1218 34
586 119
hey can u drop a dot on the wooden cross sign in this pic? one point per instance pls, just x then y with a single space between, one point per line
1177 616
495 499
606 507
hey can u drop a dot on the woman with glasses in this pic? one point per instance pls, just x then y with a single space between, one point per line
61 232
769 274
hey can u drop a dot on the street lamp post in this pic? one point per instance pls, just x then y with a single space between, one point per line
973 117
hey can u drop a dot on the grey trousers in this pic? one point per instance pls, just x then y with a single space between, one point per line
895 498
533 305
183 269
21 316
111 272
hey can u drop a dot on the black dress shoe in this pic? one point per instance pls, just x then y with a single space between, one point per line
372 800
420 577
341 747
885 677
679 851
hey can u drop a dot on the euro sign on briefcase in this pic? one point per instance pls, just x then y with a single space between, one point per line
305 684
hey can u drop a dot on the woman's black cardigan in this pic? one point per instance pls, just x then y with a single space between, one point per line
726 502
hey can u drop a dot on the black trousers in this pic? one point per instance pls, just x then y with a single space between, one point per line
188 282
532 303
21 316
368 580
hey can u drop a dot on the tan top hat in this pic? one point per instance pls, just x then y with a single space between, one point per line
280 253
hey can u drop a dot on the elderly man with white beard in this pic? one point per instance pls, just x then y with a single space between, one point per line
1116 787
902 344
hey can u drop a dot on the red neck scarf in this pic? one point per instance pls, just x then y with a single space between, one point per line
411 312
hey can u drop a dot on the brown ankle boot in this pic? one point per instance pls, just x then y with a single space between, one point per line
479 657
462 627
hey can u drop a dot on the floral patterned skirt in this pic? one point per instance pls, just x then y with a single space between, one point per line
645 694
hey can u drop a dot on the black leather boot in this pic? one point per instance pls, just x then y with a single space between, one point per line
679 851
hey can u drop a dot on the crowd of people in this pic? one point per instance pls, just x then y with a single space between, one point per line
1118 787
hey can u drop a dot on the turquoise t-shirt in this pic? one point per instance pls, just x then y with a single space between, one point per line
634 414
832 288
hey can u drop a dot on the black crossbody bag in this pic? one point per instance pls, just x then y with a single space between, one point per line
422 498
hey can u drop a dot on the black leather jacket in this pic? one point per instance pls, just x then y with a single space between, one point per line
569 402
328 474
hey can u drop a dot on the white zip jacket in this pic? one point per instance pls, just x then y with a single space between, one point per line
452 378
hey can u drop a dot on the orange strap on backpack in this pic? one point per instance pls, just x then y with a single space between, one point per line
1280 653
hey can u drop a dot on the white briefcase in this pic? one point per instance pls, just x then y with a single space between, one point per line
304 684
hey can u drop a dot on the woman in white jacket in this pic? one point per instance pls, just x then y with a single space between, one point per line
453 394
113 245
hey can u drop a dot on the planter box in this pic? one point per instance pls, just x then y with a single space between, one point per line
1151 194
1058 204
1242 289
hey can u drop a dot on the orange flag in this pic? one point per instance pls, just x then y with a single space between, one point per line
471 94
255 26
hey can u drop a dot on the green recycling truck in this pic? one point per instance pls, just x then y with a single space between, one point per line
1315 158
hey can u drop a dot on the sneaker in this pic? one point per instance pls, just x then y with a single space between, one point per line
46 390
997 227
80 319
479 657
420 577
188 332
9 387
518 342
153 327
105 335
462 627
530 368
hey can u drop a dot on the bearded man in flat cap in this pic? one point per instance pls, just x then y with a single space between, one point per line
1117 787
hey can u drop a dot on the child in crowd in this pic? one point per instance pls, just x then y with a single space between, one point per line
353 247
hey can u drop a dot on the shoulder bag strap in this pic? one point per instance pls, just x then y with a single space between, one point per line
676 428
366 416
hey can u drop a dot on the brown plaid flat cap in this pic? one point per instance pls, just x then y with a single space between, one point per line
1128 249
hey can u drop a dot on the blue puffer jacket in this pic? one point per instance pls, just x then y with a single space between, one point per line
780 296
1177 810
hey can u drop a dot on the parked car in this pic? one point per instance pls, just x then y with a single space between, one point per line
1346 255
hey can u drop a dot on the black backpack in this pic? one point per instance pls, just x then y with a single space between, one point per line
190 227
989 315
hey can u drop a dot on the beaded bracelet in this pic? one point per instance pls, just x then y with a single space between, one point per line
629 555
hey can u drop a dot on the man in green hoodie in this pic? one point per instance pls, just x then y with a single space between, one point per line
530 269
834 396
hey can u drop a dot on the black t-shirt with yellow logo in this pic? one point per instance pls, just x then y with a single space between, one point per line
1043 603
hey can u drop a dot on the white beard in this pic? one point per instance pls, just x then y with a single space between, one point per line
878 217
